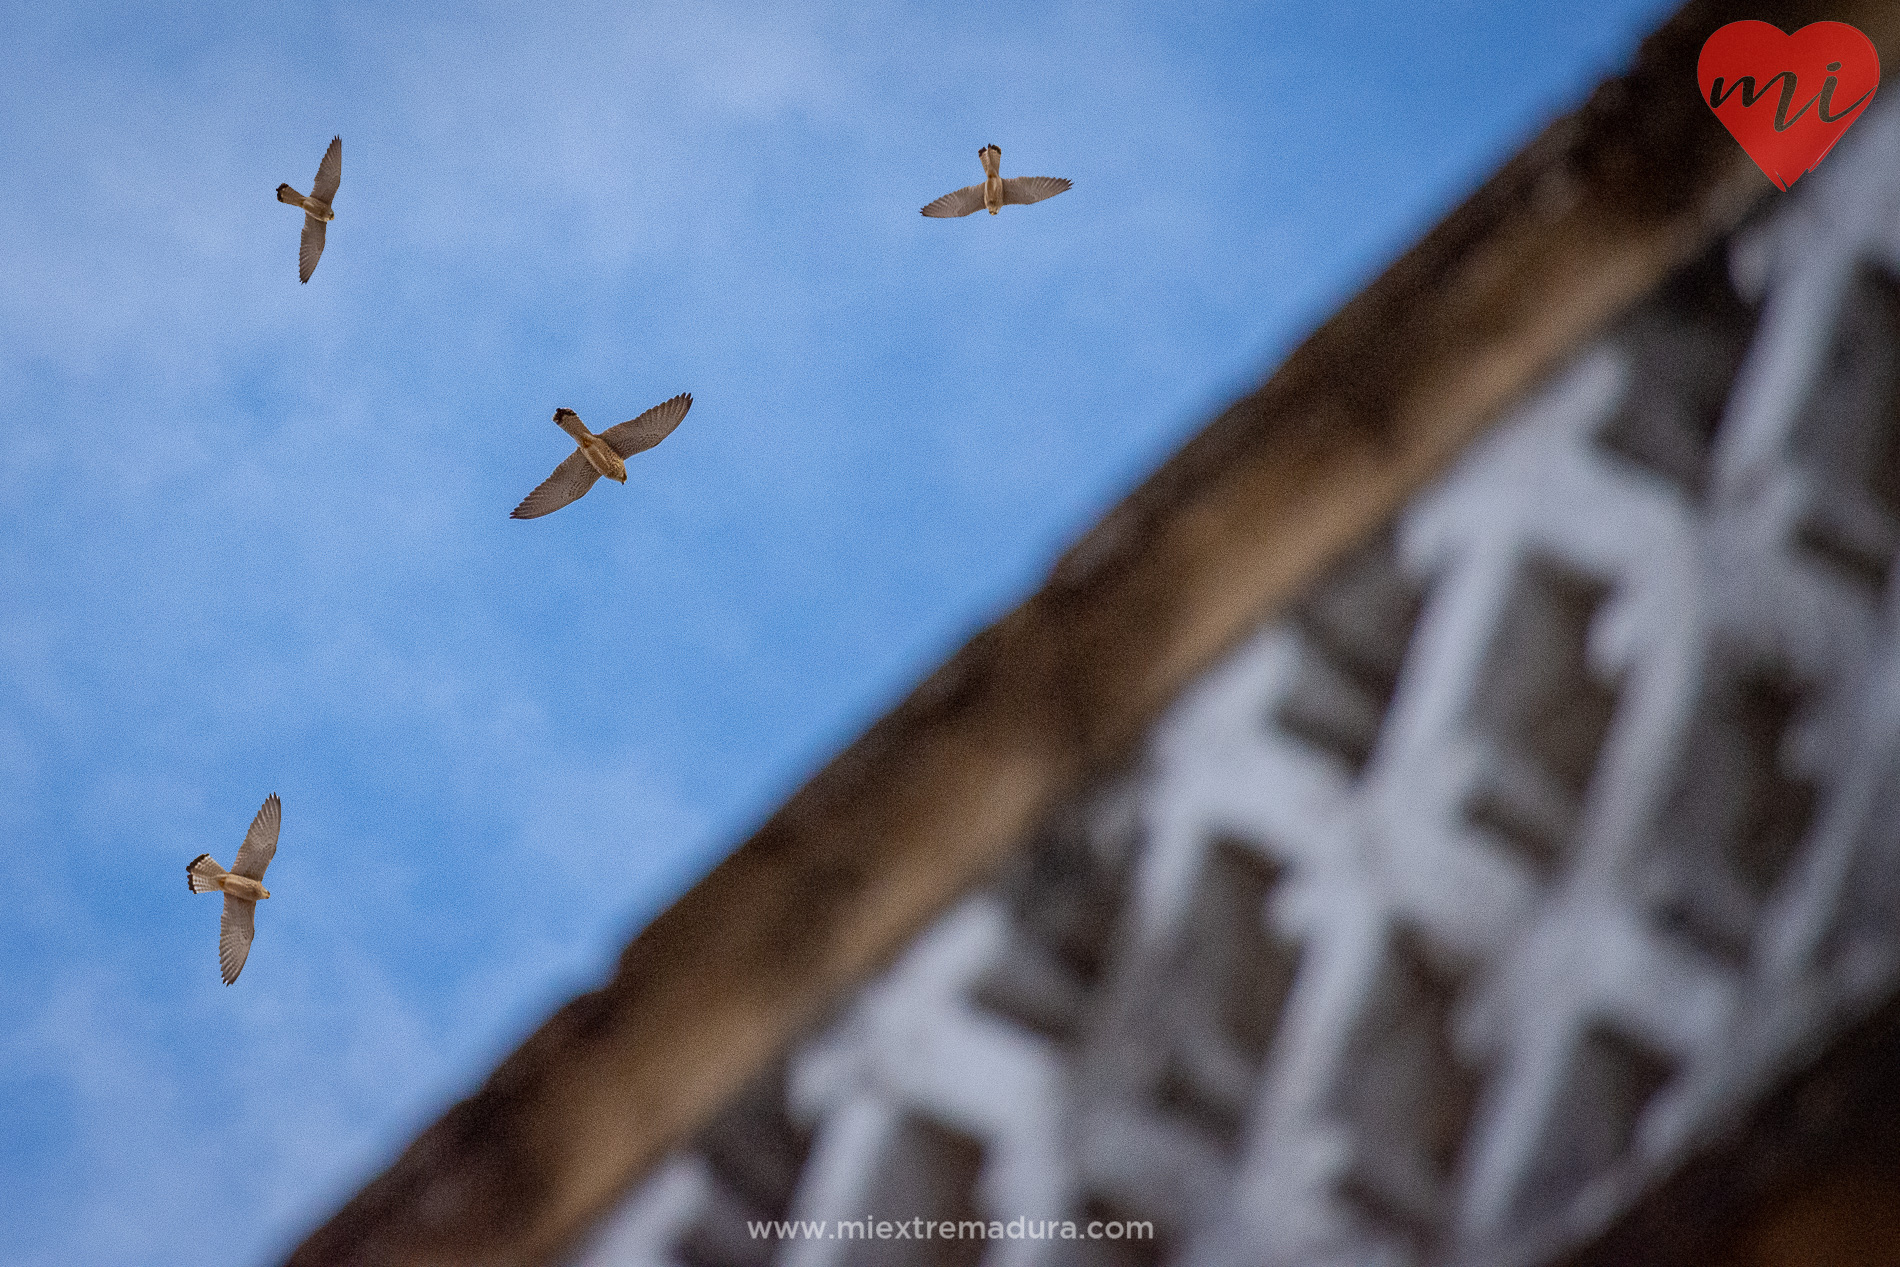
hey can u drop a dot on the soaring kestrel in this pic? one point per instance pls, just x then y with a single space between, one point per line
599 455
242 885
316 207
996 192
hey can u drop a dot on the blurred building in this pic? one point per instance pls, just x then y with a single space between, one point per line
1490 909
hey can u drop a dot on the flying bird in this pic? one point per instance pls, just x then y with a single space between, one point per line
598 455
316 207
242 886
996 192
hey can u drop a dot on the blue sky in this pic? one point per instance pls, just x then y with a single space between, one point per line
254 536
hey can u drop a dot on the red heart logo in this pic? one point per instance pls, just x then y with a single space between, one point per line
1788 98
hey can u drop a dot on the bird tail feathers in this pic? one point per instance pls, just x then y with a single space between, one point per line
202 873
286 194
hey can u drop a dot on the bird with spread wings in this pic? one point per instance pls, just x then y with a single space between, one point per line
242 886
995 192
316 207
598 455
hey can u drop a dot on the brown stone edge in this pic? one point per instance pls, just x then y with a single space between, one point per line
1837 1116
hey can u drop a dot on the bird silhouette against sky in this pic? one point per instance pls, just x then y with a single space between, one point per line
316 207
598 455
995 192
242 886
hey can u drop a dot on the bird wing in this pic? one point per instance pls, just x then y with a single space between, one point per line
960 203
235 931
570 479
329 172
312 248
651 427
260 843
1025 189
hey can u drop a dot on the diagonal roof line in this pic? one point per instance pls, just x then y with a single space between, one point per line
1580 224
